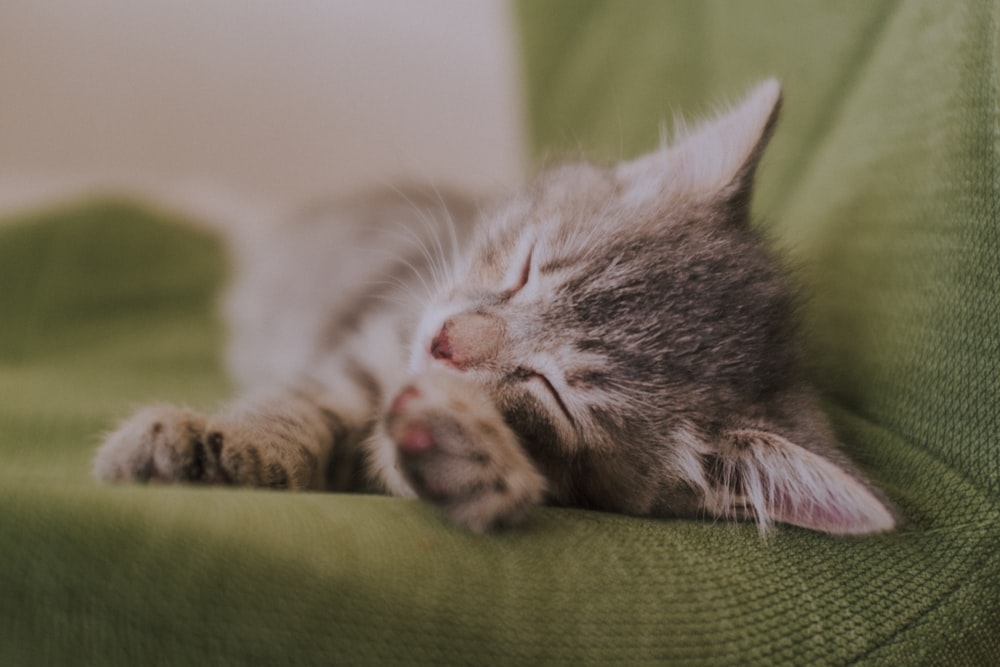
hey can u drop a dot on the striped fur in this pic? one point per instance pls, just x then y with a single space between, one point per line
616 338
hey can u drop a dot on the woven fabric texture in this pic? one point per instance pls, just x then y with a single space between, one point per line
882 183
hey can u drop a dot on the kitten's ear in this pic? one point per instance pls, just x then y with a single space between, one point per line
763 476
715 162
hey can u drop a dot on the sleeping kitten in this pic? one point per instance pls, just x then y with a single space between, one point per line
612 338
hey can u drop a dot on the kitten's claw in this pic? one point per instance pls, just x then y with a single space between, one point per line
160 443
455 450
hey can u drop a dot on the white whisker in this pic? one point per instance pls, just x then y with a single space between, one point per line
396 257
438 261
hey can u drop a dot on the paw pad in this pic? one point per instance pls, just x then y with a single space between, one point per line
415 439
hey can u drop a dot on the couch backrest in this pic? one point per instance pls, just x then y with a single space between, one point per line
882 180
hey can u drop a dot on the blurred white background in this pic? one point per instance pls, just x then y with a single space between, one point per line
274 101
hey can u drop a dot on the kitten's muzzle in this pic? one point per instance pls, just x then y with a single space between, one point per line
468 340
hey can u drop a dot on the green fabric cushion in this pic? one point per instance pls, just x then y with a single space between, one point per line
883 184
882 181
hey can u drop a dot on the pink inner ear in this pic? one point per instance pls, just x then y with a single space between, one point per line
834 502
784 482
812 514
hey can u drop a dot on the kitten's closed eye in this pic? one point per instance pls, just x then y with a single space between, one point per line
541 381
523 275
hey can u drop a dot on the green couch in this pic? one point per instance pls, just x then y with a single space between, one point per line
882 183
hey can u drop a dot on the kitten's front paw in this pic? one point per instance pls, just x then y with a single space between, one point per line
158 443
457 452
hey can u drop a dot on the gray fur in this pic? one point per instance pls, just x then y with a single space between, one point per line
617 338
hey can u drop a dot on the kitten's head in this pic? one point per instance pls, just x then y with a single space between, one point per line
623 318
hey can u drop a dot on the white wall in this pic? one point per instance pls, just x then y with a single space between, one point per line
282 100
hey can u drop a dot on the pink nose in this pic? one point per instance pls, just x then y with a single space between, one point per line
468 340
441 345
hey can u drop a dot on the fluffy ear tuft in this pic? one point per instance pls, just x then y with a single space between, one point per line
715 161
762 476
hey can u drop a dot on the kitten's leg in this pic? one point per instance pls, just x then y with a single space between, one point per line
454 449
157 443
279 441
283 440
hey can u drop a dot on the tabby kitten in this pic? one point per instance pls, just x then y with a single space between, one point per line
612 338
